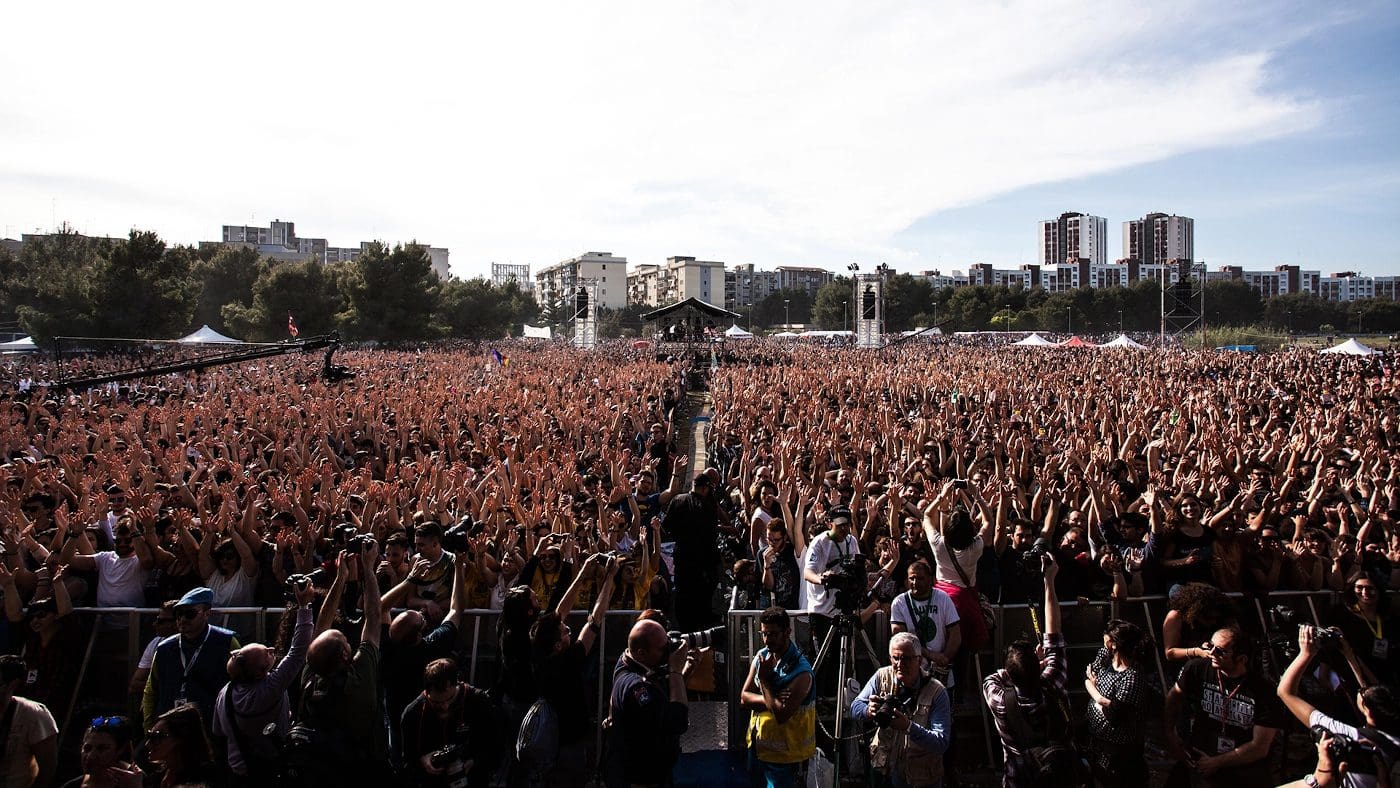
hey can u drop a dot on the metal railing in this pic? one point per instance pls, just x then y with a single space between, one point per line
1082 624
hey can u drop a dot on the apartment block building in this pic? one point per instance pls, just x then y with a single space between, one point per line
1073 237
609 271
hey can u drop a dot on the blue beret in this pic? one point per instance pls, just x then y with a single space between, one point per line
197 596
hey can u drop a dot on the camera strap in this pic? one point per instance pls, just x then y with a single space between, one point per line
957 566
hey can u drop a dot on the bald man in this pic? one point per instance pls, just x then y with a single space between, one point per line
648 711
413 643
256 695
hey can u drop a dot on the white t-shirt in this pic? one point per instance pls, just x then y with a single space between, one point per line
929 620
236 590
1352 779
820 554
967 558
32 724
121 582
148 657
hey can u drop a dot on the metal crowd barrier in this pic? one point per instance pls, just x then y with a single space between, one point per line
1082 624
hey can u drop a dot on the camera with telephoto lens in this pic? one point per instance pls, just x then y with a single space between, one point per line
447 756
297 583
846 578
343 533
885 708
1359 756
359 544
705 638
458 538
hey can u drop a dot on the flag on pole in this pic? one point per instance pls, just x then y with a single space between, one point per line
498 358
292 325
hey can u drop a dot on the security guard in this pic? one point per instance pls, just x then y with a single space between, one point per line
647 711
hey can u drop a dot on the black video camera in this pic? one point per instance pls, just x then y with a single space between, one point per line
845 577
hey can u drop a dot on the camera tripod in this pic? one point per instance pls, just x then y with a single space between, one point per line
844 627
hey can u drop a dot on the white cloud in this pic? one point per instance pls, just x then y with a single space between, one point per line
771 132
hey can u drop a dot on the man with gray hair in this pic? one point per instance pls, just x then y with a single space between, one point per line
912 715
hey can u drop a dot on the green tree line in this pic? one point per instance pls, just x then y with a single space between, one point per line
911 302
67 284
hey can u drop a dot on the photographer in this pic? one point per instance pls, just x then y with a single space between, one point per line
829 554
781 695
1028 701
452 734
1377 706
341 715
913 718
647 708
256 697
1233 715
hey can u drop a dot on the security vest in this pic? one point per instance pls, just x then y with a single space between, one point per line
793 741
891 747
195 680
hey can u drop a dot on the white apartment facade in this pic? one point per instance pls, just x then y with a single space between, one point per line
608 271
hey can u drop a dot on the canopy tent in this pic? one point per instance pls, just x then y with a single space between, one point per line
21 345
1352 348
1076 342
208 336
1035 340
688 320
734 332
1123 341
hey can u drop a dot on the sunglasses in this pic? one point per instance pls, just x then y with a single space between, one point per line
1211 648
155 736
99 723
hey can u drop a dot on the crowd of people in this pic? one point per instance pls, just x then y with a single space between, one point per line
376 511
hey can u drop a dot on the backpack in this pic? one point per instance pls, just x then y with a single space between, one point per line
537 745
313 745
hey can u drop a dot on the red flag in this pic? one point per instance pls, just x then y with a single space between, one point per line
292 325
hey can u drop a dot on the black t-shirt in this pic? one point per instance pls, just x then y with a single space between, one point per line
1184 545
693 522
1224 711
401 666
560 679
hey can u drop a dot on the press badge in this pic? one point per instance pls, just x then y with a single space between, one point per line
32 677
1380 649
1224 744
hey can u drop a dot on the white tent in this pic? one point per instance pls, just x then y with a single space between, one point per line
1352 348
1035 340
208 336
1123 341
734 332
21 345
536 332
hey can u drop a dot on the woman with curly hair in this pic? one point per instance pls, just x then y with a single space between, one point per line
1197 611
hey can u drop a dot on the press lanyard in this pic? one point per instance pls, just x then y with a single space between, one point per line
1225 704
1377 630
838 546
189 665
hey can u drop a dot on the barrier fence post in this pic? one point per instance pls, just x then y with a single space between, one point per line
476 645
77 686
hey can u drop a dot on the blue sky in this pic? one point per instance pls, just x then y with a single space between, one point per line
925 135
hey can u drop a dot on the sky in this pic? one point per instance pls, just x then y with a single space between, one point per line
923 135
